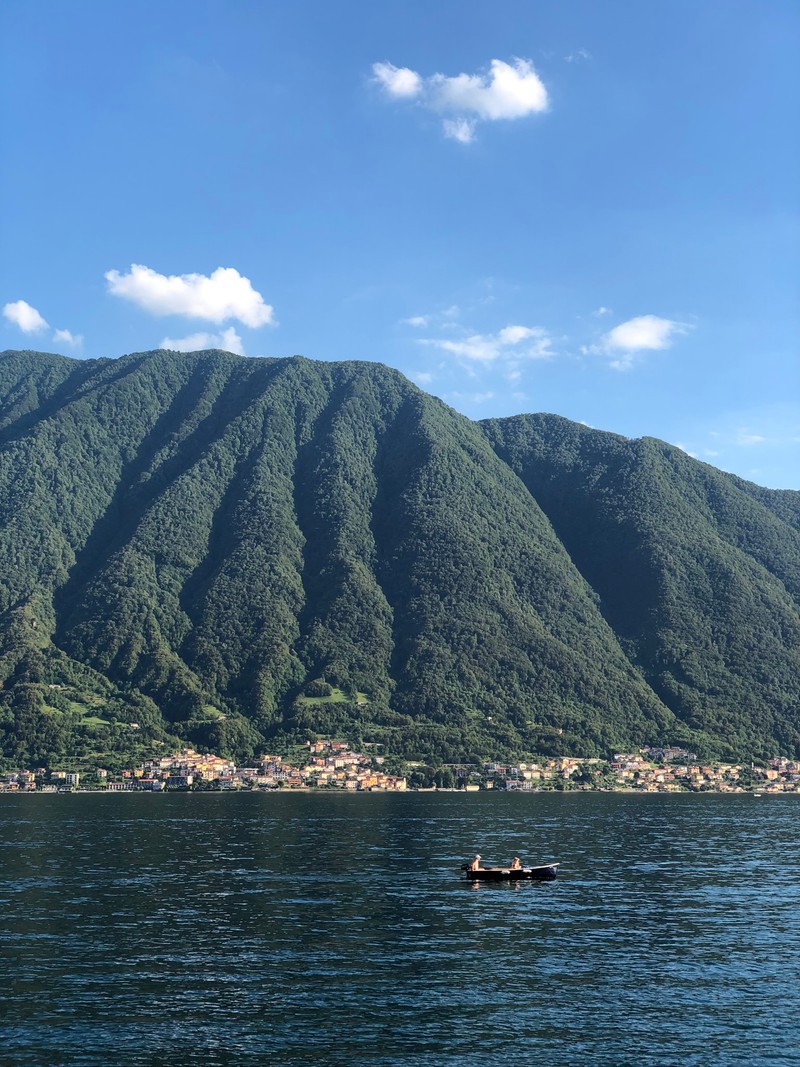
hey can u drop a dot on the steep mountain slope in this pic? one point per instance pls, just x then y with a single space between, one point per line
193 543
698 572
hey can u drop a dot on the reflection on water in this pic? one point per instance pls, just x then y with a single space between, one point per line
298 928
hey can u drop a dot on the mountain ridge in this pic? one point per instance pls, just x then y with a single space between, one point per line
191 541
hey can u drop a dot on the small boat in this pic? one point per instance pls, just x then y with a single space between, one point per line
546 873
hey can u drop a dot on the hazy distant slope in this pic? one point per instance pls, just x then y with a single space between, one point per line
697 571
190 540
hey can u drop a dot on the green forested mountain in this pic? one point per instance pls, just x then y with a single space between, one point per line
231 550
697 572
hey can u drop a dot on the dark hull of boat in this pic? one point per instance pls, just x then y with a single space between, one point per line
545 873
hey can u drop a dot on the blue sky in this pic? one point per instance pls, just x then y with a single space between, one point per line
588 208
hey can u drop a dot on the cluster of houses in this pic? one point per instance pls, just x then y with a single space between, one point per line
328 764
333 765
650 770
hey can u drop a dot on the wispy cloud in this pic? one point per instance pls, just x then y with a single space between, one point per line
228 340
524 342
462 130
423 377
224 294
579 56
506 91
25 317
417 320
745 438
641 334
471 398
66 337
599 312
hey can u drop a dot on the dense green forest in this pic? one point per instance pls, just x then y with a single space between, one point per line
242 553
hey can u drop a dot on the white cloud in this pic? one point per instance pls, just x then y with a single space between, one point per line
643 333
397 81
229 341
579 56
624 362
462 130
686 449
423 377
512 335
601 311
417 320
225 294
66 337
529 342
506 91
24 316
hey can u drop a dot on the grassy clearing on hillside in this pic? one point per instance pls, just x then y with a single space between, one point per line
337 696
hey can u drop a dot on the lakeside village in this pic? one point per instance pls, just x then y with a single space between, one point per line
333 765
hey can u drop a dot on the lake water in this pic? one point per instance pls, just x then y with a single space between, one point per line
311 928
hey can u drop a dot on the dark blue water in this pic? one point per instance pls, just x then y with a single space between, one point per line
272 929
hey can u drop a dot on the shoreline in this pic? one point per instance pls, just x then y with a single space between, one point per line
398 792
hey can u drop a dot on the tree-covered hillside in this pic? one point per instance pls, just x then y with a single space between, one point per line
698 572
230 550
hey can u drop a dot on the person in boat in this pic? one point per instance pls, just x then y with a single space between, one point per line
476 864
515 864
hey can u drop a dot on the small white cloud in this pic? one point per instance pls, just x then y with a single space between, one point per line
578 57
397 81
643 333
462 130
25 317
66 337
599 312
229 341
417 320
710 452
625 362
225 294
529 342
506 91
452 312
512 335
423 377
686 449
